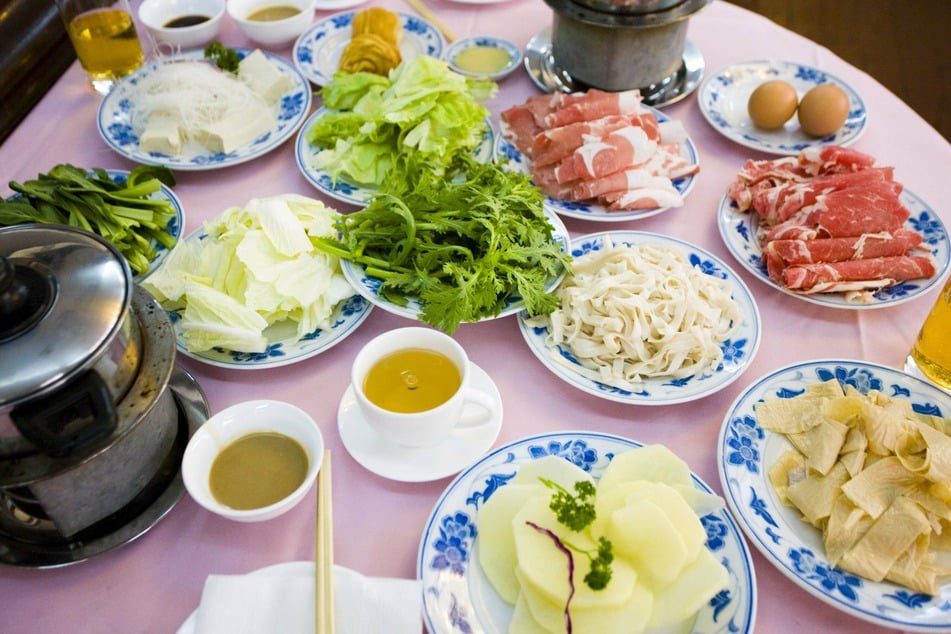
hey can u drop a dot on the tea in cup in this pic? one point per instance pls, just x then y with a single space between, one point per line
104 36
412 386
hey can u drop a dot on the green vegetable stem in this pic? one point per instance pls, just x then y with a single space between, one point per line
125 214
461 244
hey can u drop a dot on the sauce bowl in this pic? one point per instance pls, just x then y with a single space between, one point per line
272 33
483 56
237 421
159 16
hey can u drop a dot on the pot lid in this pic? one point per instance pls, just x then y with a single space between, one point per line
628 13
63 295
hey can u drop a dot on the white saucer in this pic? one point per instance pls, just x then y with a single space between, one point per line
417 464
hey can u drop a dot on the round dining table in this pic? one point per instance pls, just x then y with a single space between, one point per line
153 583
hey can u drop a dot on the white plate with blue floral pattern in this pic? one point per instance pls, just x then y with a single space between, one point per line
746 452
723 98
457 598
284 346
345 190
115 121
738 351
317 50
587 210
739 232
369 286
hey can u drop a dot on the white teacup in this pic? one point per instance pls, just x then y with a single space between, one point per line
430 426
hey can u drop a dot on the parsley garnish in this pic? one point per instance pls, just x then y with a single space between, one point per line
576 511
224 58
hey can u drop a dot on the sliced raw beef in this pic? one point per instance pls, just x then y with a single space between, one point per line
856 274
550 146
779 203
873 208
617 151
779 254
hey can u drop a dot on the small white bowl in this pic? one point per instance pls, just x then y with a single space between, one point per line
235 422
273 32
156 14
507 51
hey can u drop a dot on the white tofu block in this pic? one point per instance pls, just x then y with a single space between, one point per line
236 129
162 135
263 77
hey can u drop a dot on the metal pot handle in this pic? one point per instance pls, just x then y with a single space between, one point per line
77 414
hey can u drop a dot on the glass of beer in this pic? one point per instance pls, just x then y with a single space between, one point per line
104 36
931 353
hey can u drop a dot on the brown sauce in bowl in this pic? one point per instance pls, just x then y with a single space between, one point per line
257 470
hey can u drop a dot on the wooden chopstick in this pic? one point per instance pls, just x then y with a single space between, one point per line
325 549
427 13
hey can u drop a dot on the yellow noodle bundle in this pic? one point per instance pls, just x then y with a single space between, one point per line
374 45
873 475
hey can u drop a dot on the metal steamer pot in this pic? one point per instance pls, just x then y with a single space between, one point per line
87 423
617 45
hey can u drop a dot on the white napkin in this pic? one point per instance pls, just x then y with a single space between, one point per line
283 601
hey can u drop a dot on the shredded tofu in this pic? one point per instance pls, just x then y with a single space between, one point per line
199 98
632 313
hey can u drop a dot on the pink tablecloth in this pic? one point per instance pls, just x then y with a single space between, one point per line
154 583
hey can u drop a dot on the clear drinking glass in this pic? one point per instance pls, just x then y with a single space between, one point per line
931 353
104 36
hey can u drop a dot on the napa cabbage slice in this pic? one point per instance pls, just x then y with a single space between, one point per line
256 266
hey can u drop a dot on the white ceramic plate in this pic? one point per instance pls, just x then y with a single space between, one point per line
738 351
723 98
115 125
738 231
347 191
513 52
457 598
284 347
417 464
590 211
746 452
317 51
369 286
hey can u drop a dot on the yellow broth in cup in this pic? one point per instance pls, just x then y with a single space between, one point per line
412 380
257 470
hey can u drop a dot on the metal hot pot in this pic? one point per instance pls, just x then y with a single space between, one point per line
91 427
619 45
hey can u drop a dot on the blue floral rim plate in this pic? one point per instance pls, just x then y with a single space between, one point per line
746 452
723 98
347 191
738 231
457 598
115 125
284 347
317 50
591 211
738 351
369 286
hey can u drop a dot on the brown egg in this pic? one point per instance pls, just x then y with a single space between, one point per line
772 104
823 110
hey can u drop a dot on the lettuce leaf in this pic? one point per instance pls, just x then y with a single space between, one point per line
422 107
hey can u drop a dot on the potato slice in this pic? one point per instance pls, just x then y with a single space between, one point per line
681 600
655 463
496 541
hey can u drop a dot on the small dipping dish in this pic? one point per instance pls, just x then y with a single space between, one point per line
282 432
182 24
273 23
483 56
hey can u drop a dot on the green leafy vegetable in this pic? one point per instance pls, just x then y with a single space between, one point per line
422 107
225 58
124 213
577 512
255 267
460 244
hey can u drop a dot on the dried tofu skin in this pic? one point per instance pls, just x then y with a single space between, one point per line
873 475
374 45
